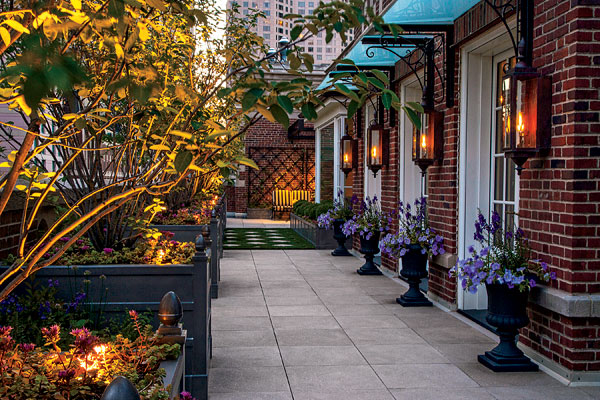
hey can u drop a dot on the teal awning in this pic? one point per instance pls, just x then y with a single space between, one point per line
427 12
374 57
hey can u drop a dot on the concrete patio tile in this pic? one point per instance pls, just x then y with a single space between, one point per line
593 391
293 301
220 323
486 377
442 394
299 311
295 284
452 334
225 291
289 323
243 338
348 299
237 301
401 354
387 336
357 309
251 396
240 357
423 376
325 379
374 321
539 393
345 291
321 355
240 311
312 337
430 320
347 395
459 353
252 379
287 292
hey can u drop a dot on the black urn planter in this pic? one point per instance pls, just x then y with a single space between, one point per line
369 248
339 236
507 311
414 268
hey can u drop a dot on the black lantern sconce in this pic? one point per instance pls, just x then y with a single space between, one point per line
427 142
348 153
377 147
526 110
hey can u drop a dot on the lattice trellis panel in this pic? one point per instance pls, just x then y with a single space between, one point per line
279 168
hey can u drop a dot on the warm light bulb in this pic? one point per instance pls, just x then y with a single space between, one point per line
346 158
374 152
520 125
423 142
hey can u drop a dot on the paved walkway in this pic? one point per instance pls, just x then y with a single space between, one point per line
256 223
301 324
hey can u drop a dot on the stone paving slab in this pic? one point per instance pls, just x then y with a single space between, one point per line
302 325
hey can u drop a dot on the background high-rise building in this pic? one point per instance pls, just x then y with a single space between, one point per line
273 26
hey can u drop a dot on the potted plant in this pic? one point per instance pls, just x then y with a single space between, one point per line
503 263
414 243
369 223
336 217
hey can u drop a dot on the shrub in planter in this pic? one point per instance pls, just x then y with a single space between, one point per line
369 222
503 263
414 243
84 369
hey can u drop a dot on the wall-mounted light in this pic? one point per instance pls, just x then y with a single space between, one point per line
427 142
377 147
348 153
526 110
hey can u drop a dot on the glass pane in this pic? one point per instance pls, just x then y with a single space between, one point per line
509 218
498 178
499 131
510 180
499 75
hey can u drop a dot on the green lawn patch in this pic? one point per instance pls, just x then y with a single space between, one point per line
264 238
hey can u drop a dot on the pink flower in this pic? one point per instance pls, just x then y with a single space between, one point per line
65 239
52 334
133 314
26 347
66 374
186 396
84 340
108 250
85 247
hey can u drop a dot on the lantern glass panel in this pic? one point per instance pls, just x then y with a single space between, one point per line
423 139
375 146
525 116
505 103
347 154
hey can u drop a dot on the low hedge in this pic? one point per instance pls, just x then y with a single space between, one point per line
306 209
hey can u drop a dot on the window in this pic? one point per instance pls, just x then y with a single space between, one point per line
301 4
245 12
301 11
267 36
245 4
267 13
503 197
311 49
280 30
319 57
266 28
319 50
287 9
310 11
311 4
267 5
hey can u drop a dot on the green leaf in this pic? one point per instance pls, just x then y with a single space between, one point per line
413 116
280 115
416 106
294 61
377 83
352 108
223 92
250 98
248 162
346 90
346 61
308 110
386 99
183 159
295 32
338 26
381 76
286 104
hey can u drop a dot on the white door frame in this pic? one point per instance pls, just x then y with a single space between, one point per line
476 81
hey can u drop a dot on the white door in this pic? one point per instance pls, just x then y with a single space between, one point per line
488 181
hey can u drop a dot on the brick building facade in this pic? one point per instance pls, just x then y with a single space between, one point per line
556 199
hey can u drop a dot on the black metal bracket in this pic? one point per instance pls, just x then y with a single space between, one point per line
435 43
297 128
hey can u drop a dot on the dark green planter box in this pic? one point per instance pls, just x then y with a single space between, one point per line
321 238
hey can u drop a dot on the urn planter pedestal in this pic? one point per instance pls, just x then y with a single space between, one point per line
369 248
507 311
339 236
414 268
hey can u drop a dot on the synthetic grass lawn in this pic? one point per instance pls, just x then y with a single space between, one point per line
264 238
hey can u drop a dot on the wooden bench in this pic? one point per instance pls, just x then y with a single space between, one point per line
283 200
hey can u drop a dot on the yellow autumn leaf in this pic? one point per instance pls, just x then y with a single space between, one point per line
144 33
23 104
119 51
21 187
160 147
16 25
185 135
5 164
5 36
76 4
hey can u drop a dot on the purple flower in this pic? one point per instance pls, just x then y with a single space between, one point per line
84 341
85 247
108 250
26 347
65 239
186 396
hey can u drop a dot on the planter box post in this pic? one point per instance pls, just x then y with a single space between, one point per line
215 255
200 323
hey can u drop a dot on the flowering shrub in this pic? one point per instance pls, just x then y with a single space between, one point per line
504 258
369 220
152 250
341 210
84 369
413 230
